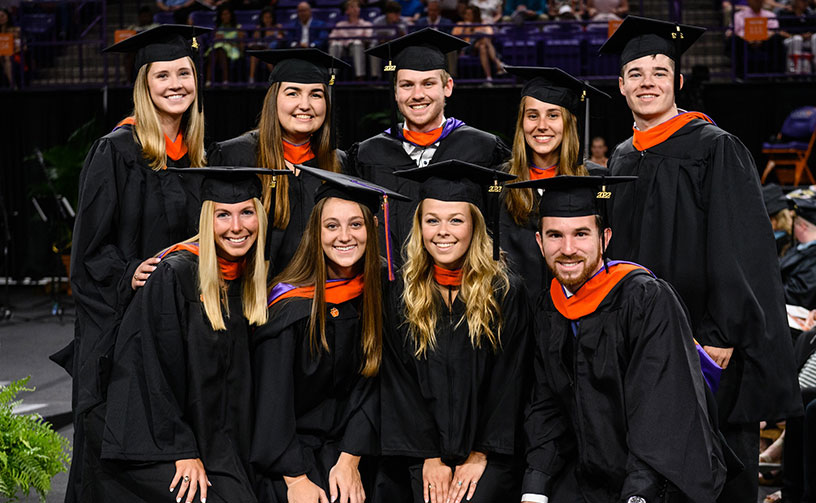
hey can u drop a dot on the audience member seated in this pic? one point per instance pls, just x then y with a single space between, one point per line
181 9
606 10
798 266
6 26
350 37
780 211
434 19
598 151
796 28
519 11
566 10
391 25
227 45
490 10
306 31
480 38
144 21
269 35
411 9
762 56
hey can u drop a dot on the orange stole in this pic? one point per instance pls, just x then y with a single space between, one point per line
587 299
175 149
229 270
297 154
643 140
539 173
337 292
447 277
423 139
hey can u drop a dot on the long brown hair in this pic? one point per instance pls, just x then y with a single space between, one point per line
270 153
308 267
520 202
148 132
484 284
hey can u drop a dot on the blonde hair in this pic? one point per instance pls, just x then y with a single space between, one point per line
270 153
308 267
212 286
147 130
520 202
484 284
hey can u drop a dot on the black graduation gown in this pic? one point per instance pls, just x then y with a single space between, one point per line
309 409
281 244
798 268
621 407
695 217
457 399
377 158
126 213
523 253
178 390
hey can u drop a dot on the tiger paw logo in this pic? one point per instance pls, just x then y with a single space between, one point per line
334 312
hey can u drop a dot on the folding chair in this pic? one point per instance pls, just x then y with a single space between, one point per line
790 153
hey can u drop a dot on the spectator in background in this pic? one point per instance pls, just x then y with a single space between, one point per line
606 10
350 37
181 9
268 36
6 26
565 10
391 25
754 9
798 266
756 56
144 22
411 8
226 47
519 11
598 151
306 31
434 19
490 10
480 40
780 211
796 28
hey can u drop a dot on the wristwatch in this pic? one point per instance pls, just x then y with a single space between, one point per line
635 499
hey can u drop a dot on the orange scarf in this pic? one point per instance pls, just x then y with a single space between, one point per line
423 139
447 277
587 299
643 140
229 270
175 149
541 173
297 154
337 292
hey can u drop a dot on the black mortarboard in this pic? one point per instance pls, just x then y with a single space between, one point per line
806 208
553 85
774 199
229 185
640 36
423 50
460 181
361 191
572 196
301 65
166 42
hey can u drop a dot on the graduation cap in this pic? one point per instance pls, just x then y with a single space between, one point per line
774 199
555 86
459 181
806 208
423 50
166 42
574 196
640 36
304 66
228 184
360 191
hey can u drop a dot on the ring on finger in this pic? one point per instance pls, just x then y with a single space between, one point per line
459 483
186 478
430 486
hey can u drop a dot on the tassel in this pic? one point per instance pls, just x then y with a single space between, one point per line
388 247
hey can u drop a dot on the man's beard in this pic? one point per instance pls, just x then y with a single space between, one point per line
574 283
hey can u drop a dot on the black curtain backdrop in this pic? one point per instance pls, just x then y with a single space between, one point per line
42 119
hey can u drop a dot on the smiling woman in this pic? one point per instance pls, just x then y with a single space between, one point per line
130 207
324 338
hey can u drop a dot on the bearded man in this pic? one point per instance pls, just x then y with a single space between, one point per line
620 410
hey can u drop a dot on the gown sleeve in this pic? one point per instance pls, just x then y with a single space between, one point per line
276 449
148 390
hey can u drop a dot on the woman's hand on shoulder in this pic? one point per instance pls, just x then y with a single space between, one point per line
436 479
466 476
345 484
302 490
190 477
143 272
